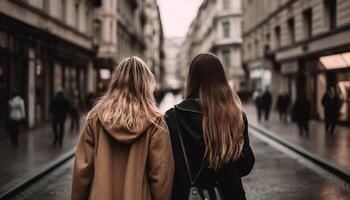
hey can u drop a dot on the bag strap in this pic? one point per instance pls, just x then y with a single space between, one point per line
184 151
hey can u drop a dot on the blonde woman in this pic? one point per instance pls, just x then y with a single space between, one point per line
209 134
124 151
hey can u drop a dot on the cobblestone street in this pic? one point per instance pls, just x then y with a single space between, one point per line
275 176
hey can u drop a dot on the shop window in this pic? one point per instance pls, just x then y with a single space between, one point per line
307 23
3 40
226 29
330 13
291 30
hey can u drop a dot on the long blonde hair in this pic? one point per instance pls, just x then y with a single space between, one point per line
221 107
129 99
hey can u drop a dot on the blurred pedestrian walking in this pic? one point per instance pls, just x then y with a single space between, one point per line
301 113
17 115
331 105
59 108
282 106
209 135
258 103
75 111
266 100
90 100
124 151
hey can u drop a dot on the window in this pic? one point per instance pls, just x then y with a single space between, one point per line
278 36
97 31
77 16
330 13
291 30
307 23
257 48
46 5
226 58
226 4
63 10
226 29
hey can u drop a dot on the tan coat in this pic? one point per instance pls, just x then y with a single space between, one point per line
119 164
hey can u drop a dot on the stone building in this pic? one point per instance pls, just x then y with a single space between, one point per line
126 28
299 46
73 44
44 45
216 29
172 47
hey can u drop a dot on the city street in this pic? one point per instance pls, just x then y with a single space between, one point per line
275 176
112 62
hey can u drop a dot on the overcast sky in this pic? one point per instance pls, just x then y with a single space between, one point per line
177 15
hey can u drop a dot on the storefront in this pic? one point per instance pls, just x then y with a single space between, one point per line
36 63
337 70
329 71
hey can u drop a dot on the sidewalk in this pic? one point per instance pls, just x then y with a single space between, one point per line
35 150
334 149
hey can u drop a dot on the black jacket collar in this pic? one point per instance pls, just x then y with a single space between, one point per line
189 105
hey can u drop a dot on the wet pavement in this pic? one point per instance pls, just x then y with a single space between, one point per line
332 148
35 150
275 176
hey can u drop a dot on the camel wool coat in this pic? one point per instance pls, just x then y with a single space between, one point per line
123 164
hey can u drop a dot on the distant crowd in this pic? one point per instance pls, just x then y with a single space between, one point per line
300 111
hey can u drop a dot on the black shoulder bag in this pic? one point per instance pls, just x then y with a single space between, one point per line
195 192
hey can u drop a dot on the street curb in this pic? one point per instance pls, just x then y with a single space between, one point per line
14 187
336 170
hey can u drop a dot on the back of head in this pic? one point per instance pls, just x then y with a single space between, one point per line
129 100
222 114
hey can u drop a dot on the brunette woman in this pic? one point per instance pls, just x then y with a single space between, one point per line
214 132
125 151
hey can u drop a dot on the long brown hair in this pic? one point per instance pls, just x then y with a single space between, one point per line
129 99
221 107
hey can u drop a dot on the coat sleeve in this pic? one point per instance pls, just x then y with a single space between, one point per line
246 162
160 164
83 171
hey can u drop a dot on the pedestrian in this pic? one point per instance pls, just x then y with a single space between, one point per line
330 103
301 113
124 151
75 111
59 108
17 115
209 136
266 100
90 100
282 106
257 98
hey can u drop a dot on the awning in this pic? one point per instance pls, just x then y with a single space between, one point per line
336 61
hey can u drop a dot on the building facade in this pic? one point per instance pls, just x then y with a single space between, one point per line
299 46
126 28
71 44
44 45
172 74
216 29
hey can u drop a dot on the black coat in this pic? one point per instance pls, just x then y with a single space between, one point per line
301 111
266 100
60 107
228 177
